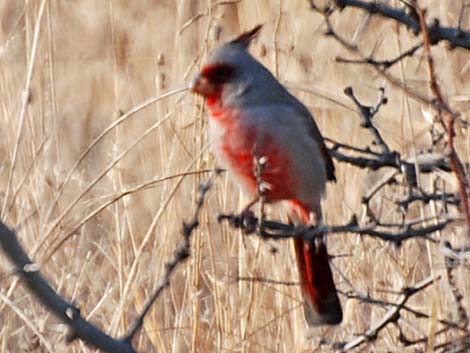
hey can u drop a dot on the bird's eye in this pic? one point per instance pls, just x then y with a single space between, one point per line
218 73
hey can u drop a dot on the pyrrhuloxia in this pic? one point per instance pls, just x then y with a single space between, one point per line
252 116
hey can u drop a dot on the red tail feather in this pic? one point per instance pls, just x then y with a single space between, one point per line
322 305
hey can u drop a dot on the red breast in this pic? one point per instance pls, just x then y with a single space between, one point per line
240 144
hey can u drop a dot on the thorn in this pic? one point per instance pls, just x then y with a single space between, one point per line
348 91
32 267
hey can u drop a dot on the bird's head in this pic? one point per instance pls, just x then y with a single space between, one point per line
229 70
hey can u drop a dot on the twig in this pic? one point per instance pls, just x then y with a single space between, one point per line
383 64
180 255
367 159
263 187
458 256
444 197
368 114
458 298
387 179
459 345
392 315
366 298
409 342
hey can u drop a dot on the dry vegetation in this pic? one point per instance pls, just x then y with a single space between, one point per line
69 69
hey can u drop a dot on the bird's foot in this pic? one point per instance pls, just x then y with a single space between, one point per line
248 221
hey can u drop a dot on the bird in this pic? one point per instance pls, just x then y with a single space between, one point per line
253 117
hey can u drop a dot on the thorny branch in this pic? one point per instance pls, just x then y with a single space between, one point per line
451 264
459 257
249 224
366 158
180 255
79 328
374 160
444 197
447 116
62 309
453 259
380 155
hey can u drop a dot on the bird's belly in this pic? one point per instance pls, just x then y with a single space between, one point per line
237 147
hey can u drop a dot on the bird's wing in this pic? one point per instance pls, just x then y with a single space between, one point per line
316 135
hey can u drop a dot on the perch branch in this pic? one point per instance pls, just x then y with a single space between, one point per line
277 230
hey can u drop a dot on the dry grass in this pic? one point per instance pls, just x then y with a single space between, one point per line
85 63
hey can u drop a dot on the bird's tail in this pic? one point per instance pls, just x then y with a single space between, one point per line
321 302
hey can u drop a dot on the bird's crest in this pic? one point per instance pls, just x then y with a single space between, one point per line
246 37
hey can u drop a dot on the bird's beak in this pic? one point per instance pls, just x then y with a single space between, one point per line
200 85
194 85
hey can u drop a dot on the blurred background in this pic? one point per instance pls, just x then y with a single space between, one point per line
98 188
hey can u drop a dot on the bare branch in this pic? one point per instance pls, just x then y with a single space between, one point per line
352 48
456 37
392 315
365 158
62 309
364 298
